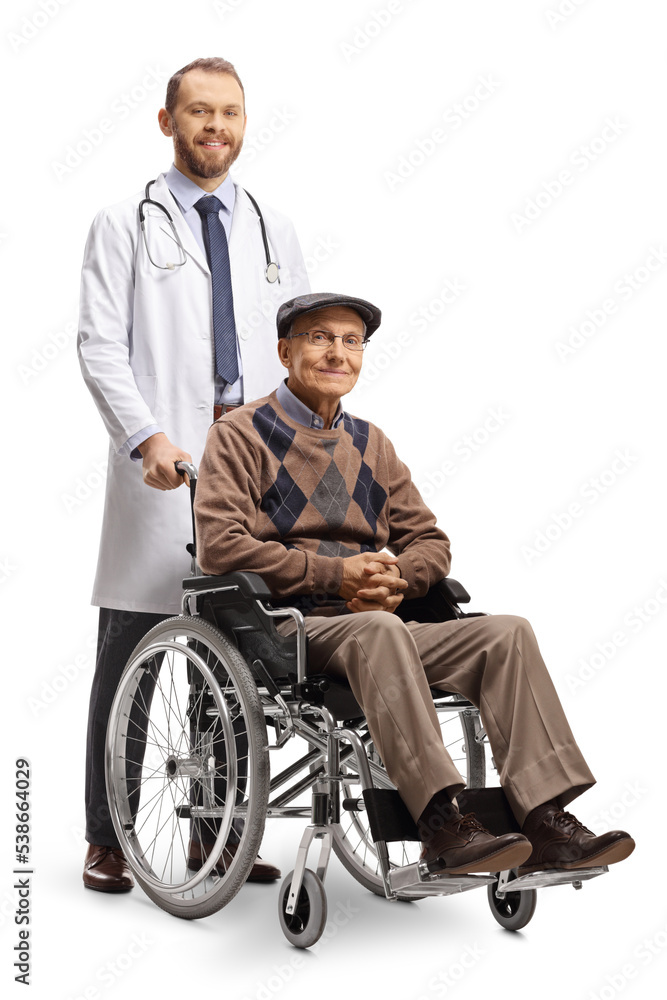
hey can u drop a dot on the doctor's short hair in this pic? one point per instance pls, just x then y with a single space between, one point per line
213 65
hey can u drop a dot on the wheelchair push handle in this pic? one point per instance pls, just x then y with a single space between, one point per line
190 470
186 469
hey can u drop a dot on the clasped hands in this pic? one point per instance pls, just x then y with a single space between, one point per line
372 582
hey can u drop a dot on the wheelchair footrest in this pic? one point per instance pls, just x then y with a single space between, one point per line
553 876
415 880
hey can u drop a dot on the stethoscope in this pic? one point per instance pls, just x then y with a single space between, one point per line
271 271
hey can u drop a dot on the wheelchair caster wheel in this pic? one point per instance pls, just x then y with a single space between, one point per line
513 910
303 927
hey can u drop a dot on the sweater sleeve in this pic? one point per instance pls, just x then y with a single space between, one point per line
422 548
226 502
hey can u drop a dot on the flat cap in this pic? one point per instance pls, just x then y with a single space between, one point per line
293 308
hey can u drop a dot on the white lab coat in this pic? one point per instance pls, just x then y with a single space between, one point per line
146 351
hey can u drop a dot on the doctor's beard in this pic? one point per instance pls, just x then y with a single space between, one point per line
199 163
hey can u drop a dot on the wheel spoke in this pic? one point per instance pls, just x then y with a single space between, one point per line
186 728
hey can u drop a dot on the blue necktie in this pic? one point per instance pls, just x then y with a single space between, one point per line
224 327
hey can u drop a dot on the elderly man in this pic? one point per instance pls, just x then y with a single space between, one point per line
308 496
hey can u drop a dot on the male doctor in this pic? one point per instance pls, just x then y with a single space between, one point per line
179 297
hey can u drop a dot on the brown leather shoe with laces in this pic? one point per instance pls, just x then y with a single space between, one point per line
261 871
461 845
106 870
560 841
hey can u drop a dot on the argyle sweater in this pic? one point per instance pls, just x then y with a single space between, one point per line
291 502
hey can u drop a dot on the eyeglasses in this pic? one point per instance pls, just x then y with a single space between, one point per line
318 338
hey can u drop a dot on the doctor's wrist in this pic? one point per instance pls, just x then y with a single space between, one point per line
149 443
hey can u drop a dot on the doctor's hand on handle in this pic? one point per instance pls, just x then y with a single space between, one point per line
372 582
159 456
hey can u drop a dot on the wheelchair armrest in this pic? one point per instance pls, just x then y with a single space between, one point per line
439 604
453 591
234 602
251 585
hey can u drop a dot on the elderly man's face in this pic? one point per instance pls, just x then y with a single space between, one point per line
324 373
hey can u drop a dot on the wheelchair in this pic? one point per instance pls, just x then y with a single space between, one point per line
189 781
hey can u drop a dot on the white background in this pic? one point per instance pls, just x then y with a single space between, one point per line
362 87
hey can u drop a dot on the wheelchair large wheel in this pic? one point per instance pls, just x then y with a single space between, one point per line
186 759
352 841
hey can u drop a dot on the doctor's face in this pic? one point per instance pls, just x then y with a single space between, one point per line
207 126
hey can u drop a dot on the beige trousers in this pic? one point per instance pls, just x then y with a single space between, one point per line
493 660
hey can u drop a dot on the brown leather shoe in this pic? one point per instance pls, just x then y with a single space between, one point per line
560 841
462 845
261 871
106 870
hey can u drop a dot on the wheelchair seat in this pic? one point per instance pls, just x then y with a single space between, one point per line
337 696
230 602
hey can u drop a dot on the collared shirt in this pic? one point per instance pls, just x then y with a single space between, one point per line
301 413
186 193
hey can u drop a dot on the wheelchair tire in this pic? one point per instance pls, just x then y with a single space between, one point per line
305 926
186 753
513 910
352 840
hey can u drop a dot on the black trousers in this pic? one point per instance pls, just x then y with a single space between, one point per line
119 633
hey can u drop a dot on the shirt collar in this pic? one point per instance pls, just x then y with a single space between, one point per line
301 413
186 192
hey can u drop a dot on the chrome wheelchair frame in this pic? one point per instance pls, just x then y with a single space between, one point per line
188 774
